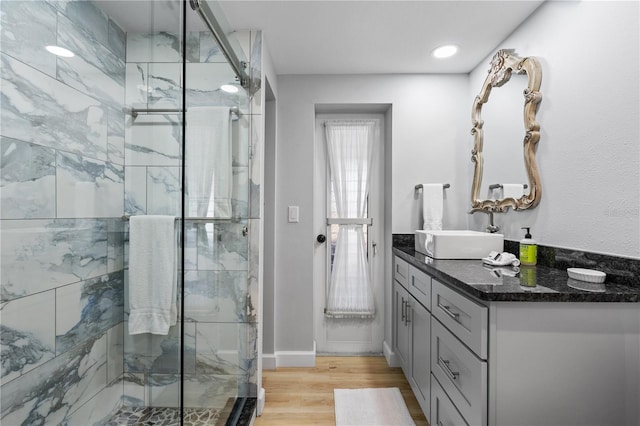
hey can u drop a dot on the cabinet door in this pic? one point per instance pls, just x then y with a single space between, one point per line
443 412
401 328
420 322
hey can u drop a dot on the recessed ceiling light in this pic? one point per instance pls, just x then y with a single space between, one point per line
445 51
60 51
229 88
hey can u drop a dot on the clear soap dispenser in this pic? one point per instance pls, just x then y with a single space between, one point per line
528 249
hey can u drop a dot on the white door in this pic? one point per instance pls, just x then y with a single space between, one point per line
335 331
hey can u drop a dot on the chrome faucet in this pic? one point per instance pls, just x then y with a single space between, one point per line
491 228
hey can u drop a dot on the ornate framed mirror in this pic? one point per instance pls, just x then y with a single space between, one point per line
507 168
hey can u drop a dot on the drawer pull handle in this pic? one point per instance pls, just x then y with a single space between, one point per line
404 315
447 310
453 375
408 316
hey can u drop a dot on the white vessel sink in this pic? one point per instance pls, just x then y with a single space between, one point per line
457 244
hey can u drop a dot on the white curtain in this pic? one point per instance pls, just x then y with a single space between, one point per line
350 154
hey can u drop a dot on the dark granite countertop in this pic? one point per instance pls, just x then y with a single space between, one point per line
530 284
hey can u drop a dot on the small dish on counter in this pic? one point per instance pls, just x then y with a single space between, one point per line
586 275
586 286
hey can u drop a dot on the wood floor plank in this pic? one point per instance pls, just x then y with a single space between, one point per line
304 396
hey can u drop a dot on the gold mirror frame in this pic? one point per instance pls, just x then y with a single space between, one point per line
503 63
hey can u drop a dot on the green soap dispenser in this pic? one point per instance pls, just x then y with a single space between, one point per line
528 250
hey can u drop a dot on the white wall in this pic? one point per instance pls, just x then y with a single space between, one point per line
430 119
588 154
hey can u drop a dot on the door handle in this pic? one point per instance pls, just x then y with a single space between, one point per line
321 238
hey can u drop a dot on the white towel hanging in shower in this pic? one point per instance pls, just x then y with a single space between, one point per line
208 162
153 274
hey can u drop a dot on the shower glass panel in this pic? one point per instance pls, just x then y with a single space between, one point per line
219 331
142 120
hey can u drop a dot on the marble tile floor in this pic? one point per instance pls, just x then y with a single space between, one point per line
165 416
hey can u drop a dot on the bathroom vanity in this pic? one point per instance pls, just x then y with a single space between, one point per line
486 346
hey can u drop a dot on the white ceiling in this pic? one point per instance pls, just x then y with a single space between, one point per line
350 37
377 36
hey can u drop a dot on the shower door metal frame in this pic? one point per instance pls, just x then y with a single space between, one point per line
239 67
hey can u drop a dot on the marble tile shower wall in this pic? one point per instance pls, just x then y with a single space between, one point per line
64 185
62 188
220 331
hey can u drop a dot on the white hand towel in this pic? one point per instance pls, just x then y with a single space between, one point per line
512 190
432 205
153 277
208 157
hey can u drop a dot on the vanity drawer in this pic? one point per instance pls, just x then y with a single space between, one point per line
401 271
466 319
462 375
443 412
420 286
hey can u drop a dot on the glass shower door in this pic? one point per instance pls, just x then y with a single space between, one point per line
189 148
219 323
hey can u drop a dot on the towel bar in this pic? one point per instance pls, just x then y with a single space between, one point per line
499 185
126 217
245 229
445 186
137 111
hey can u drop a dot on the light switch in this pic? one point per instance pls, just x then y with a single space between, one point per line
294 214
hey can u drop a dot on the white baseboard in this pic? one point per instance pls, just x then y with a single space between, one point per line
390 355
261 401
269 361
296 358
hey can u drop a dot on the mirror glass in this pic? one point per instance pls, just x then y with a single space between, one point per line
506 135
503 135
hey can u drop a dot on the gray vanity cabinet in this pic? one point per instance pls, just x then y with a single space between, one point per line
524 361
448 379
412 329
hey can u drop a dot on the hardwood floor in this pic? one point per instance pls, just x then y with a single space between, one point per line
304 396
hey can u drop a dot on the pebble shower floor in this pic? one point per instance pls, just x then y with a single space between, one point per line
162 416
